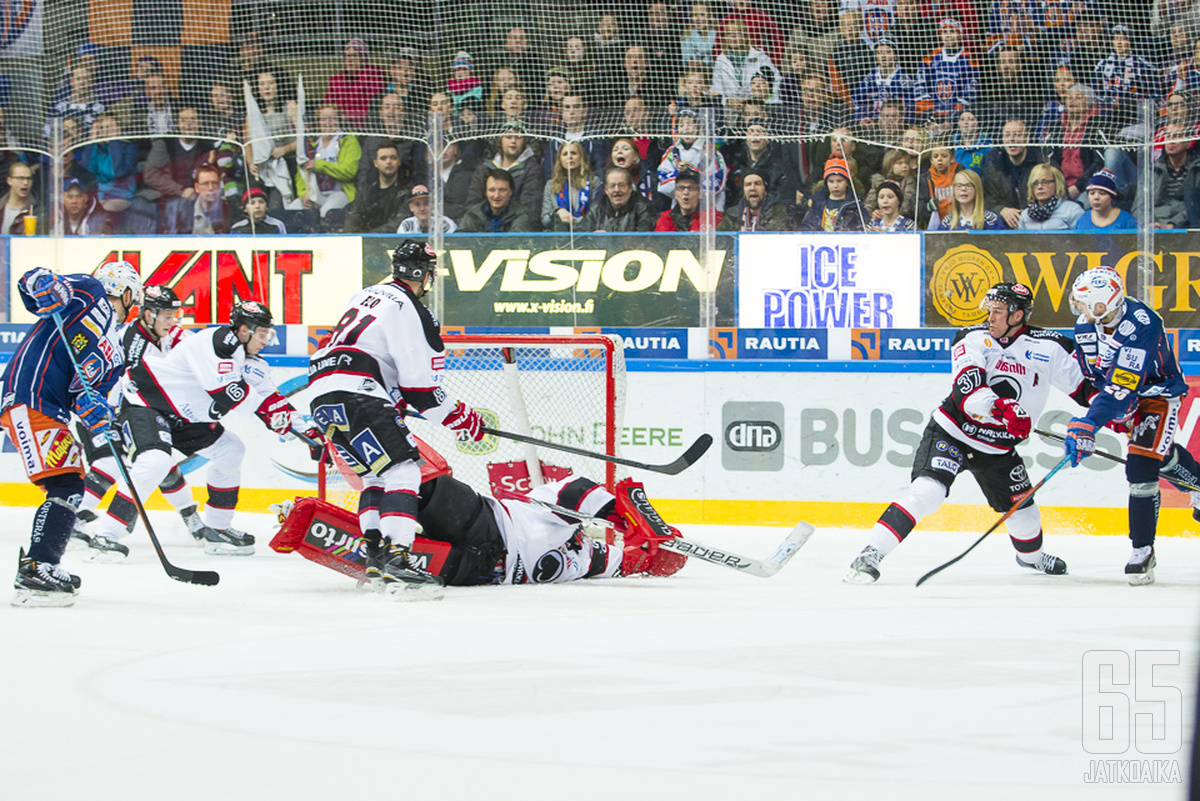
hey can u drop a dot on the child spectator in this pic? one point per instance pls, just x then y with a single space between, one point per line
463 84
1105 215
887 217
688 152
257 221
833 208
971 145
899 167
969 213
936 187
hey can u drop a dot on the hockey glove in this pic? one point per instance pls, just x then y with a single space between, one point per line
276 413
466 421
49 292
1015 418
1080 441
306 430
94 414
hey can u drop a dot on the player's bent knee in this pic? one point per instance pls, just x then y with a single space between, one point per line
65 489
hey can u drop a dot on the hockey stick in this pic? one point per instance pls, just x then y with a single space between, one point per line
207 578
765 568
689 458
1183 485
1017 506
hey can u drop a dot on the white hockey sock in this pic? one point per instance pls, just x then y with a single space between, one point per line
1025 531
923 497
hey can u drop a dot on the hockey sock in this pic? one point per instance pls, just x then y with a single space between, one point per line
121 514
95 484
368 508
890 530
54 519
218 511
1025 532
176 490
398 516
1143 513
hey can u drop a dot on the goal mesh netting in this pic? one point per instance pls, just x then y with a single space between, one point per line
1108 82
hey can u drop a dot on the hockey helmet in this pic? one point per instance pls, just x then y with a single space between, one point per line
116 277
1098 295
251 314
1016 296
160 298
414 261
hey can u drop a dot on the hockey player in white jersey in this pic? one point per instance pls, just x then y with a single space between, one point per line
1003 372
177 402
384 355
153 333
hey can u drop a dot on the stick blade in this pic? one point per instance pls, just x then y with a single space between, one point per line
689 458
205 578
791 544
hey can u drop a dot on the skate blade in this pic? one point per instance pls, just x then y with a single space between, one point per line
1140 579
404 592
104 557
858 577
225 549
37 598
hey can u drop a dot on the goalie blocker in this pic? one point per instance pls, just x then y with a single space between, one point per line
470 539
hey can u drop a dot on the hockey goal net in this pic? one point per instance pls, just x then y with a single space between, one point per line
567 389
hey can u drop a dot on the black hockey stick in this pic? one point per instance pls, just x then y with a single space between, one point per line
1019 505
689 458
764 568
1183 485
207 578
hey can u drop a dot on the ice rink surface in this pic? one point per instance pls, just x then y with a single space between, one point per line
285 682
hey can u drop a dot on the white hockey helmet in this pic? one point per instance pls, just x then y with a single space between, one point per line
117 276
1098 295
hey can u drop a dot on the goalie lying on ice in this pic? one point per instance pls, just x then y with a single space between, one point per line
471 539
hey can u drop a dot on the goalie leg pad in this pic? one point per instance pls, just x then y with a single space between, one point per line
450 511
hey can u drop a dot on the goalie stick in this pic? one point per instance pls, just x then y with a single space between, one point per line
689 458
1018 505
765 568
206 578
1183 485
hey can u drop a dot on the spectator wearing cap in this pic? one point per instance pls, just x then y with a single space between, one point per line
359 83
463 85
834 208
948 81
515 156
497 214
82 214
1176 188
1123 79
688 152
758 154
169 169
685 214
257 221
1105 214
620 209
737 65
379 203
886 83
886 218
756 211
389 124
418 222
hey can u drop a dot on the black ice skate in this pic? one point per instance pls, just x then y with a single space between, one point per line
195 525
391 571
229 542
865 567
105 549
1047 563
1140 567
43 584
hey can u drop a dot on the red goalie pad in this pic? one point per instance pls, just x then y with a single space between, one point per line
329 535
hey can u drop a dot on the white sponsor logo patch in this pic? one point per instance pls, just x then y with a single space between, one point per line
1126 328
949 465
1141 316
1132 359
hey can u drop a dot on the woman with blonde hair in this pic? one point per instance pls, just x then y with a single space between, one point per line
566 197
1049 208
968 212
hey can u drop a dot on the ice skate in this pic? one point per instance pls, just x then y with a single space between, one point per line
229 542
80 539
195 525
865 567
43 584
1047 563
1140 567
105 549
390 571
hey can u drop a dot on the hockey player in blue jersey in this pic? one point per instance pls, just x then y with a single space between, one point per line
1122 348
42 391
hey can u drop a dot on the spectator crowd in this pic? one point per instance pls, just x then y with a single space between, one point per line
858 115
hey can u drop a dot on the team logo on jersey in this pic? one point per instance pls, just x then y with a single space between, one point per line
548 568
1125 379
1126 328
1141 316
79 341
437 363
370 451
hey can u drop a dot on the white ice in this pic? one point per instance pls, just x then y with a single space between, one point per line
285 682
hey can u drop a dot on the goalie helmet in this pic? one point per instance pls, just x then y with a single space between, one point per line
251 314
160 298
1017 297
414 261
1098 295
116 277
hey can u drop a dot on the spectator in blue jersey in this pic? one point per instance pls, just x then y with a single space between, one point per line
699 38
887 82
948 82
1123 79
971 144
969 212
42 391
1105 215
